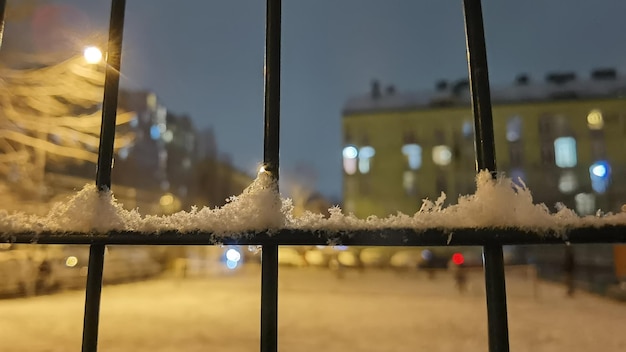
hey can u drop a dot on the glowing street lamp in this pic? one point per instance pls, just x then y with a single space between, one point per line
92 55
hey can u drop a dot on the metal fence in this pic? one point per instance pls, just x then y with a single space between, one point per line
491 240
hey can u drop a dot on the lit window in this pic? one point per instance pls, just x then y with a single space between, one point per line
408 182
565 152
595 120
585 203
514 129
151 101
349 159
168 136
155 132
413 153
123 153
442 155
600 173
568 182
365 157
467 129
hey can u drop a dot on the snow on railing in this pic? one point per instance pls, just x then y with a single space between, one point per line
497 203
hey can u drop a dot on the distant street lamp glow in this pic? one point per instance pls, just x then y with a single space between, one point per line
92 55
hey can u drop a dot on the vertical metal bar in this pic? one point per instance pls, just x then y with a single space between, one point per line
103 173
269 271
486 159
479 85
111 90
269 299
3 6
92 298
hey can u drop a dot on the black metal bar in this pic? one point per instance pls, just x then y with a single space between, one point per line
479 86
111 91
103 173
3 6
380 237
486 159
269 261
92 298
495 291
272 87
269 298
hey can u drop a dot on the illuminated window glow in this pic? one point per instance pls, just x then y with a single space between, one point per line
467 129
408 182
442 155
568 182
123 153
595 120
565 152
365 156
413 153
168 136
514 129
155 132
585 203
600 173
350 154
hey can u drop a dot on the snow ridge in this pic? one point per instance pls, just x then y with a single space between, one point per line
498 203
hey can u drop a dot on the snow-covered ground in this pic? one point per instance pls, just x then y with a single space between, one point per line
370 311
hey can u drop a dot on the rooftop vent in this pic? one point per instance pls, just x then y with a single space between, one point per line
522 79
601 74
441 85
460 86
375 89
560 77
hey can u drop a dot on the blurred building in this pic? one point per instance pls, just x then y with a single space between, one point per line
146 160
562 136
169 166
169 158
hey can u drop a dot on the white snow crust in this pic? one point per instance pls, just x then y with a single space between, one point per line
498 202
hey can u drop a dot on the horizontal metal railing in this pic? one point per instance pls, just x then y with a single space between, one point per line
379 237
492 239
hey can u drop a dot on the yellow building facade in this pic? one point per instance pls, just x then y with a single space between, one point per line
565 139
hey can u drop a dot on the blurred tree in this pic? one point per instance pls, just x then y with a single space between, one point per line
299 184
18 10
50 112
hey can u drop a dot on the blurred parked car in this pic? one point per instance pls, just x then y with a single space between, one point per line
404 260
25 273
376 257
290 256
318 256
433 260
121 264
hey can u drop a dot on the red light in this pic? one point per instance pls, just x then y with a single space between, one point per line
457 258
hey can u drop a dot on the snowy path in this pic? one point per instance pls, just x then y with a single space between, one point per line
373 311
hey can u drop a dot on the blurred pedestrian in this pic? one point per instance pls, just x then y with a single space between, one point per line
460 277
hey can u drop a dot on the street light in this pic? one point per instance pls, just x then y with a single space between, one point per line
92 55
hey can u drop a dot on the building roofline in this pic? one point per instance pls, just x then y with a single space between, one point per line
528 92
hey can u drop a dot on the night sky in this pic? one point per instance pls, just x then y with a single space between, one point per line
205 58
